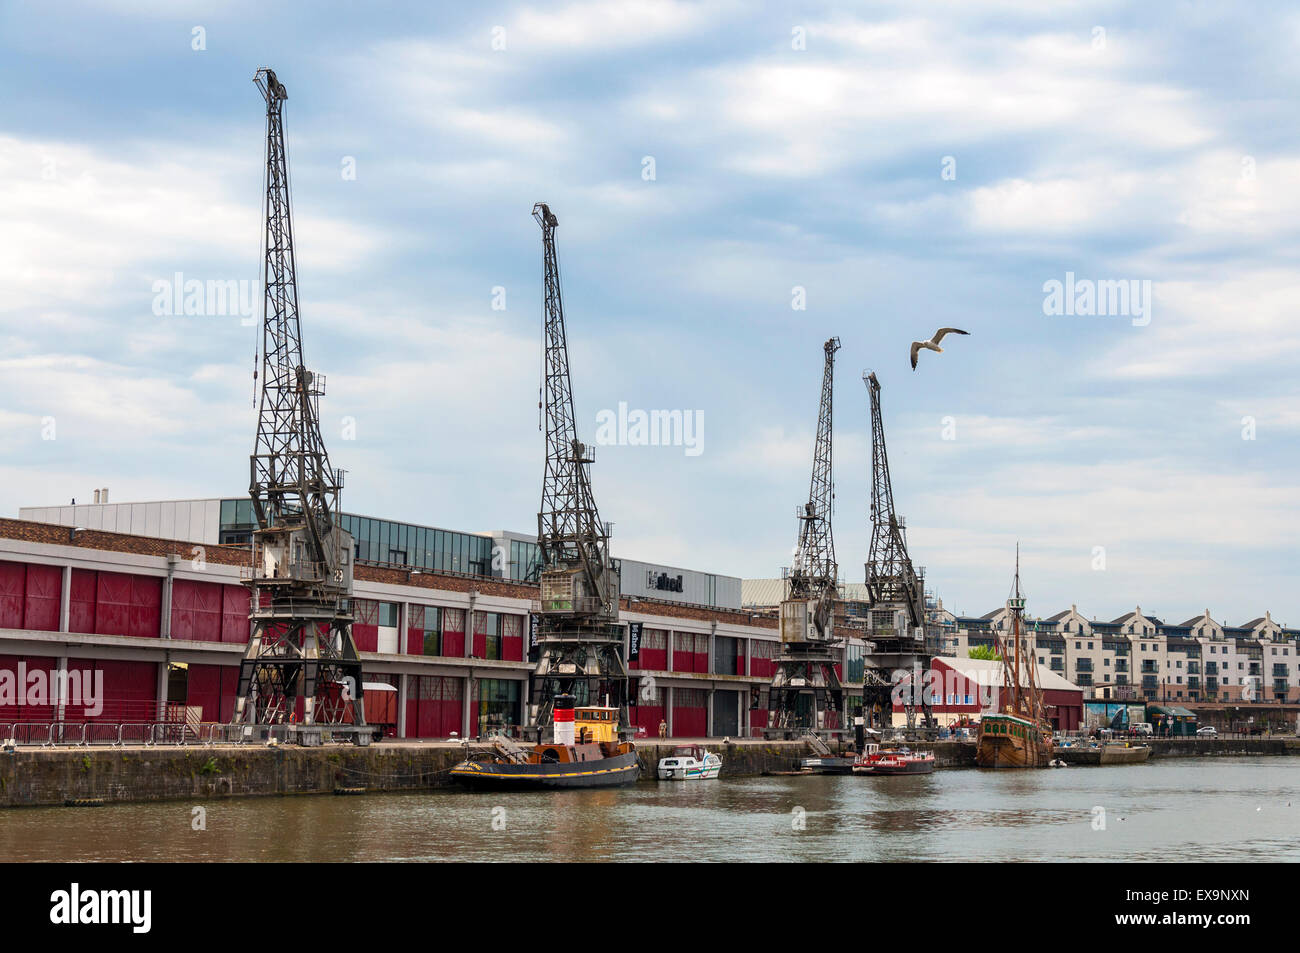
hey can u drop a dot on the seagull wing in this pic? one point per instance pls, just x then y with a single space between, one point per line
942 331
916 349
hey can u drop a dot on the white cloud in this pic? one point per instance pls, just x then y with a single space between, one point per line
101 221
1210 327
608 24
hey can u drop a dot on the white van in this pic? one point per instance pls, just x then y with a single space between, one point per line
1144 729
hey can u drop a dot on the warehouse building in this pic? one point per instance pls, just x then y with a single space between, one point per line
963 689
162 623
498 555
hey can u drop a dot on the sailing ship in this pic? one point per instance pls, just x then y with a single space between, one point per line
1018 734
585 753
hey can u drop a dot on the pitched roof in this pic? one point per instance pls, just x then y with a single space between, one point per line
1252 623
1124 618
989 672
1058 617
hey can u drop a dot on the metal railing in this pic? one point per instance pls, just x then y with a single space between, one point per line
50 734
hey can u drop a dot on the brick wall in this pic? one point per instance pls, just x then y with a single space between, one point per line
90 539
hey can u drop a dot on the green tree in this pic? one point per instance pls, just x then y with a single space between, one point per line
986 652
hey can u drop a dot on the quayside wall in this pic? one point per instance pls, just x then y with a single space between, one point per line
53 776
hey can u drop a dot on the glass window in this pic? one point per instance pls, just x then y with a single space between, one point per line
432 630
489 625
388 614
496 704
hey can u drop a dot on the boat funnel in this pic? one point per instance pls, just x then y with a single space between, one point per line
562 719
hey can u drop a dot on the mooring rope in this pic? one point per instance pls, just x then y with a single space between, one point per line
394 777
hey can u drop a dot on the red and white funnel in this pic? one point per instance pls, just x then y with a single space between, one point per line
562 719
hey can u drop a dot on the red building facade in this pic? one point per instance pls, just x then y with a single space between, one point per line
165 633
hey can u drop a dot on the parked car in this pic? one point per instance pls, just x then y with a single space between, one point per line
1143 729
1207 732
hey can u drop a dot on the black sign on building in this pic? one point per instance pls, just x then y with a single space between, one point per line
634 641
534 634
663 582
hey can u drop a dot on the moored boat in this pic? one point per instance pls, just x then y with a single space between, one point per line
1122 752
689 763
825 765
1012 741
892 761
585 753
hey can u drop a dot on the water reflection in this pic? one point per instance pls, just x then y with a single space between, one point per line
1194 809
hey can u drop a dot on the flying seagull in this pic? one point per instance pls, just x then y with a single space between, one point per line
933 343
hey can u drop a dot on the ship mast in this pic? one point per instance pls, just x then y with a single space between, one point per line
1027 703
1017 606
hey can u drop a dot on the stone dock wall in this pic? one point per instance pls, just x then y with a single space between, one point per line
53 776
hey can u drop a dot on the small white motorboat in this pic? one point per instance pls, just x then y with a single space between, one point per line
689 763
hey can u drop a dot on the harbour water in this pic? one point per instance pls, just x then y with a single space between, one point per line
1175 809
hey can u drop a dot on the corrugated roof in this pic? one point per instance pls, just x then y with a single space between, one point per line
762 592
770 592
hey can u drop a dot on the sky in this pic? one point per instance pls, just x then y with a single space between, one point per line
734 183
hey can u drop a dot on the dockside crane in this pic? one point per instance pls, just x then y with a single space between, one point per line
300 580
806 693
579 640
895 590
